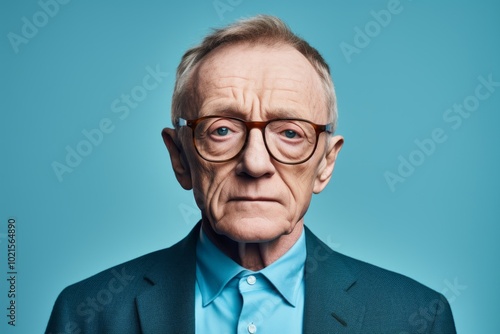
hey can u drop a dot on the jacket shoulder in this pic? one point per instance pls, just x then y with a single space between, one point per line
362 274
390 300
105 302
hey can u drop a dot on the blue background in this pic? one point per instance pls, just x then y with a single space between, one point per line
439 226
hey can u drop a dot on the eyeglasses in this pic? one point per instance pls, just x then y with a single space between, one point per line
290 141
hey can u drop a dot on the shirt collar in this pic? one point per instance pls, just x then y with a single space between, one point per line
214 270
287 273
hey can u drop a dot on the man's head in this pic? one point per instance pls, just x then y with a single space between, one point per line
254 70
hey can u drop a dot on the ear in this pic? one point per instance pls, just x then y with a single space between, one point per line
328 163
178 158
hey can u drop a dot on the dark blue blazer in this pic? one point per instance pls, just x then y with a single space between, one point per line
155 294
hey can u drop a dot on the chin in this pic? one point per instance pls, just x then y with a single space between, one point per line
254 229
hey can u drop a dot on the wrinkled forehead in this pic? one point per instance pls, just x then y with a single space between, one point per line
279 74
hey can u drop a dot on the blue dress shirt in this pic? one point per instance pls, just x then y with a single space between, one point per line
232 299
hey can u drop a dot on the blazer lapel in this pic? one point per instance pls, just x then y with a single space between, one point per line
167 305
329 308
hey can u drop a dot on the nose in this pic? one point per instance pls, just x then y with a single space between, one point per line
254 160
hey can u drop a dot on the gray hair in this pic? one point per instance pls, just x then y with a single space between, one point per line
262 29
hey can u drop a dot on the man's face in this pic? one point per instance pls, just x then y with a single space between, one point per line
254 198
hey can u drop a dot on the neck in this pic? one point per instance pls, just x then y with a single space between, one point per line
255 255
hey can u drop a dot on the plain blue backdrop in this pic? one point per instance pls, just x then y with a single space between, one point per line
399 79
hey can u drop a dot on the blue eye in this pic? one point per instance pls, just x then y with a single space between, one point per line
290 133
222 131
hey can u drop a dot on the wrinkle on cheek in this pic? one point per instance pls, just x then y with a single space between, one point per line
300 184
202 179
214 193
301 177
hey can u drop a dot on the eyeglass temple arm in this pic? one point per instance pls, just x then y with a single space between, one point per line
180 122
329 128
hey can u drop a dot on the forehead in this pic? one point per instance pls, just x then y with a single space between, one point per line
266 81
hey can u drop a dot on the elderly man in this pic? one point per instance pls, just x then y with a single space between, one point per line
254 113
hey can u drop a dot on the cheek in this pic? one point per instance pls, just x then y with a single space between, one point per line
208 182
301 182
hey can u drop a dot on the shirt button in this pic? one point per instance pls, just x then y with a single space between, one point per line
252 328
251 280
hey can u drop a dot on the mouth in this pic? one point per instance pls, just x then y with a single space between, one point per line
252 199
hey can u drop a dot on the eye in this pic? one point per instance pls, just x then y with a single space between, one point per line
290 131
290 134
222 131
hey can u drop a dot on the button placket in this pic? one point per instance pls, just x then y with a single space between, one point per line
251 279
249 286
252 328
